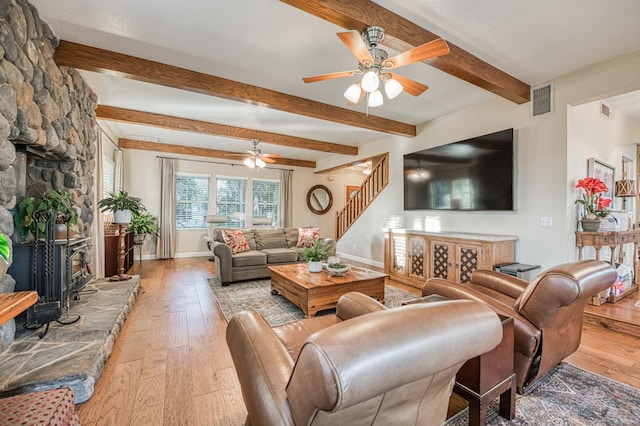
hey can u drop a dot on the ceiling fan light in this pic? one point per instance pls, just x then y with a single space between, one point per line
370 81
375 99
392 88
249 163
260 163
353 93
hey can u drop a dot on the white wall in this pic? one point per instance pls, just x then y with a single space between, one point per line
546 172
608 139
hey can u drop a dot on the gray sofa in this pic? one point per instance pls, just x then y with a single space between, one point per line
268 246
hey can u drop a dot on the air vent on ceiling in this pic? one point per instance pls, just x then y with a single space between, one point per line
605 110
542 100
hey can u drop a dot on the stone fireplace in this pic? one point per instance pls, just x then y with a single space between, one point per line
47 125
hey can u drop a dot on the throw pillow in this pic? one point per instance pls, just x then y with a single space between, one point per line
235 240
307 236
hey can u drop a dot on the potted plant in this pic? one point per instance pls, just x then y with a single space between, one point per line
143 224
595 205
122 205
5 254
315 254
59 202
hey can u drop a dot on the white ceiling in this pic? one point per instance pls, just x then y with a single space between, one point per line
270 44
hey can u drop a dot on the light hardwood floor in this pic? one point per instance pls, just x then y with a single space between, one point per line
170 364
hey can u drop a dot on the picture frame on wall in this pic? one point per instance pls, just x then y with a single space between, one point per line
604 172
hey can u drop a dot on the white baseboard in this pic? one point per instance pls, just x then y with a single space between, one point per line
361 259
194 254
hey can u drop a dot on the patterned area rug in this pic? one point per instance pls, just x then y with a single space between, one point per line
256 295
568 395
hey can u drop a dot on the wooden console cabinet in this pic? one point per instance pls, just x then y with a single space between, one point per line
412 256
111 243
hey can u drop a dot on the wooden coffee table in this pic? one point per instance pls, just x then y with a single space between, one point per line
316 291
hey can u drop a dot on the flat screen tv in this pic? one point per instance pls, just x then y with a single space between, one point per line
474 174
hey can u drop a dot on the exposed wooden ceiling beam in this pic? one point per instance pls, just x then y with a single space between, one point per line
184 124
373 159
201 152
103 61
402 35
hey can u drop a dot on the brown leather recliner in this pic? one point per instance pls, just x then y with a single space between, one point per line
386 367
547 312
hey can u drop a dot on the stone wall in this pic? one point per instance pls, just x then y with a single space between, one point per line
46 111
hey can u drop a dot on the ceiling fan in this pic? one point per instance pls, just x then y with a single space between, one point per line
254 156
374 65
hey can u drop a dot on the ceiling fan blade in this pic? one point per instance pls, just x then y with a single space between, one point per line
330 76
268 160
412 87
271 155
356 45
432 49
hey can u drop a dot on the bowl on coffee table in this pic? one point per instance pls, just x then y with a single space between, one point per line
337 269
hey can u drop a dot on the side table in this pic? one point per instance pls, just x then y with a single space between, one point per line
613 240
485 377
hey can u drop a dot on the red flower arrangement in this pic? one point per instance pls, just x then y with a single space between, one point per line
592 200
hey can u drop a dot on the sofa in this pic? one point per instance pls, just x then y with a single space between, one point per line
547 312
363 365
264 247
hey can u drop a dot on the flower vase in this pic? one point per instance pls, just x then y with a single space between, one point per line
590 225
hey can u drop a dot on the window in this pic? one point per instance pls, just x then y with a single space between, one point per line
108 176
192 201
231 195
266 199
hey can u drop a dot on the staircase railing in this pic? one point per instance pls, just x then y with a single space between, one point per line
364 196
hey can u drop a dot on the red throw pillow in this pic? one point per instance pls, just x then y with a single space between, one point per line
235 240
307 236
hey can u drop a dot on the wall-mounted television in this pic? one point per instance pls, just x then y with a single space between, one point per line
473 174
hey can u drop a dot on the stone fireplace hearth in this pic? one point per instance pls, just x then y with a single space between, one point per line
72 355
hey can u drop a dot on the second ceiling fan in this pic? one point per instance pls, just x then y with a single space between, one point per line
375 66
254 156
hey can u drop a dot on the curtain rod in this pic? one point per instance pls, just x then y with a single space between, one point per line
218 162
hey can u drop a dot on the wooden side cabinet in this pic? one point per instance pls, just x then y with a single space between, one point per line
111 243
413 256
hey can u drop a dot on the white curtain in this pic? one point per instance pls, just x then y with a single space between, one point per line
286 198
167 217
97 227
118 179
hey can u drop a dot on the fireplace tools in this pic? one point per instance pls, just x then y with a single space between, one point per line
49 306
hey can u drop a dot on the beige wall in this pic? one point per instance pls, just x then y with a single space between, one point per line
142 174
545 175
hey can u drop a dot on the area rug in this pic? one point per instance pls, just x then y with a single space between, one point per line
256 295
569 395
